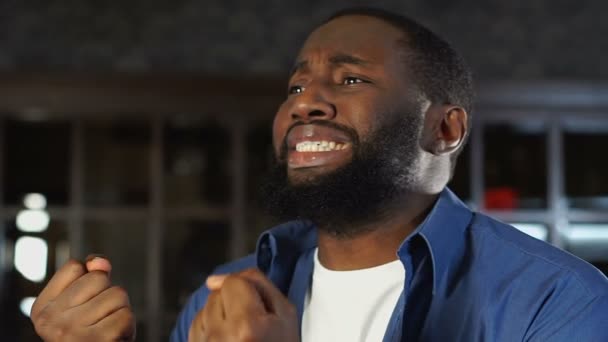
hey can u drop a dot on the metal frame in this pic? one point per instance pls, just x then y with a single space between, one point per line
3 252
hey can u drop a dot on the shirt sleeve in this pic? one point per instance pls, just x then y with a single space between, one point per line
184 320
588 324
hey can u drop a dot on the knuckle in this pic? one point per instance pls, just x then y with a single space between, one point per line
213 336
246 332
74 266
52 329
121 294
61 333
99 276
129 315
230 281
42 319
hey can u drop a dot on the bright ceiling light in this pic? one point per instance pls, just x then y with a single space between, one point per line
34 201
31 257
26 305
33 221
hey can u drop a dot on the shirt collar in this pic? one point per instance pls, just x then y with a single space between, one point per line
443 232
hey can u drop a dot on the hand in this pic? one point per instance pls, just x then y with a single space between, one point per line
79 304
245 306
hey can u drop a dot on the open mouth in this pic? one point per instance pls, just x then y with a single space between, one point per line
314 145
320 146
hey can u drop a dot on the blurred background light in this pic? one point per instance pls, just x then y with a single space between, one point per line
535 230
33 221
31 257
26 305
588 232
34 201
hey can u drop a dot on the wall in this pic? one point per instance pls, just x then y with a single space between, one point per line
533 39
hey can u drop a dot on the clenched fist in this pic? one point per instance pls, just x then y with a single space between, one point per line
80 304
245 306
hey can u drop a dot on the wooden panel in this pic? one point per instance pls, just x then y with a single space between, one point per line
38 95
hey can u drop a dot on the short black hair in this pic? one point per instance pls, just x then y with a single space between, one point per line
439 71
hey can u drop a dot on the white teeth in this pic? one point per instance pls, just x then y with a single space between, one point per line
319 146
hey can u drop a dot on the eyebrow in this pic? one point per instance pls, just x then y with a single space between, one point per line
335 60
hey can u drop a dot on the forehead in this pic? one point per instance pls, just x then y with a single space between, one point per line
367 37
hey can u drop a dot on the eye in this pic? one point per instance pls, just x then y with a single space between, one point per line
352 80
296 89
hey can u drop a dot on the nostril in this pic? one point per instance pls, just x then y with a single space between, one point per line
317 113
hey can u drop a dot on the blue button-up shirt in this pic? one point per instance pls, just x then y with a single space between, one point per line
469 278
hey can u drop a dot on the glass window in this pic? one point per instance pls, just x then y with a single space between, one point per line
192 249
260 157
37 159
461 181
124 243
515 166
586 167
589 241
116 163
197 162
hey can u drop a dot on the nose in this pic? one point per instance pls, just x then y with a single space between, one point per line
313 104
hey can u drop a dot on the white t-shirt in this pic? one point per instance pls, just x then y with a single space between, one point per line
351 306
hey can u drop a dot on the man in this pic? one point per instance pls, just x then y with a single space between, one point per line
378 108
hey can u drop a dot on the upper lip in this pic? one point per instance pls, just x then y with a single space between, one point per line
315 132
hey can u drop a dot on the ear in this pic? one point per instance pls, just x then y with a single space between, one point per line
445 128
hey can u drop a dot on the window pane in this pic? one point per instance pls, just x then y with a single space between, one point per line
589 241
197 162
461 181
192 249
260 157
586 168
116 163
36 159
124 243
515 166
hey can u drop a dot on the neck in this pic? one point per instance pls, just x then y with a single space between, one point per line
379 239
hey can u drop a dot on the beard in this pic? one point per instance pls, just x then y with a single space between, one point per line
345 200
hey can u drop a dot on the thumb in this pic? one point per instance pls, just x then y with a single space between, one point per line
97 262
215 282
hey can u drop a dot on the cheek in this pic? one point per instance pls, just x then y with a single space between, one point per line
363 117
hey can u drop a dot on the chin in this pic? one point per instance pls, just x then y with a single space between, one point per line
310 175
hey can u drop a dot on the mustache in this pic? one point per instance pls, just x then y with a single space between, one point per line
350 132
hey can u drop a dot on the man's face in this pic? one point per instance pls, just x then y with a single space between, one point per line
346 137
348 77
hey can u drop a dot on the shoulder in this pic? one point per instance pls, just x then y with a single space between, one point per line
199 298
503 241
564 297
